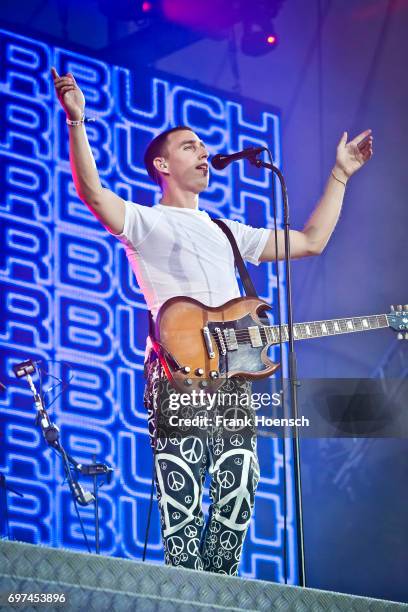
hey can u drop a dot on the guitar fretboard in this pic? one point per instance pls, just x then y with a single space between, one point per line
317 329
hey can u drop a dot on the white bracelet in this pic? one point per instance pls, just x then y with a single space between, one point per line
75 122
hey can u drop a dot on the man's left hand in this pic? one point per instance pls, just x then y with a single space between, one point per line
351 156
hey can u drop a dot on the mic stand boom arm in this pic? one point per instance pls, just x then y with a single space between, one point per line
293 382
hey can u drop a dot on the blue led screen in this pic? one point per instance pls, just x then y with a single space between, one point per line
69 299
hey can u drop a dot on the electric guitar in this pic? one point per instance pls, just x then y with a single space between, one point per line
200 346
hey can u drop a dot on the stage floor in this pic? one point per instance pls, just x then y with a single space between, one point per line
97 583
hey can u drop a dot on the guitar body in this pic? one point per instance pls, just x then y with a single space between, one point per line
198 348
202 346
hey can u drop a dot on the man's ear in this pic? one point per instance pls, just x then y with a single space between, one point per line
161 165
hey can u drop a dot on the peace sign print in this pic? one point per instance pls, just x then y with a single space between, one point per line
187 412
215 527
175 438
191 449
236 440
176 481
190 531
192 546
238 553
165 409
218 449
226 479
161 440
228 540
198 565
175 545
235 414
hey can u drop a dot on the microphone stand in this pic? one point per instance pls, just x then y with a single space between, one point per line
95 469
51 435
293 382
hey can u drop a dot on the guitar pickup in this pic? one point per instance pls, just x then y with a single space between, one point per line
231 338
208 342
255 336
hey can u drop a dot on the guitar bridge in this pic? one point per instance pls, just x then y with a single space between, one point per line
208 342
221 341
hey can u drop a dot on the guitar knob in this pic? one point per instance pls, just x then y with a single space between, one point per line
399 307
199 371
213 374
400 336
188 382
203 384
186 369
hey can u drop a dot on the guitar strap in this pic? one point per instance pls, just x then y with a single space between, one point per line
239 262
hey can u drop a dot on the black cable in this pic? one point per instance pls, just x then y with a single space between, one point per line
279 317
60 381
68 474
149 513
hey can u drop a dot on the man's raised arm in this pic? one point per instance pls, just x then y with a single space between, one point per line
351 156
103 203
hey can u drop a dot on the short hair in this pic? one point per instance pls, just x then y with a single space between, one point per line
156 148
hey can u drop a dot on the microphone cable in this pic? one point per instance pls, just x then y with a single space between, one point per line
155 431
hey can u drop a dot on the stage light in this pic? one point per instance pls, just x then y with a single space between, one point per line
258 40
258 18
126 10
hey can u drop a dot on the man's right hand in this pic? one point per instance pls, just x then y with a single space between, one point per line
69 95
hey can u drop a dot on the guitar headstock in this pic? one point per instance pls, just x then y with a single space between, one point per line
398 320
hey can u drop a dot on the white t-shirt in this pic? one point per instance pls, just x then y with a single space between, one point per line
180 251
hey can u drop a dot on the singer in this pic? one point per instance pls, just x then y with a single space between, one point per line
176 250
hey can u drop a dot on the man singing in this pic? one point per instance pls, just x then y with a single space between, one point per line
175 249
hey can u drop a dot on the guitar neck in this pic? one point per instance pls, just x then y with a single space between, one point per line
330 327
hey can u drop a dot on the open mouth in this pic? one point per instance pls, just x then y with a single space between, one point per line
203 168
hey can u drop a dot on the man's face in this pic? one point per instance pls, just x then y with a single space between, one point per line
187 161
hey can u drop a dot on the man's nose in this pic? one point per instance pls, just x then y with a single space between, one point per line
204 154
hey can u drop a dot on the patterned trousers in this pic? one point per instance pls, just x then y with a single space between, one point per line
222 444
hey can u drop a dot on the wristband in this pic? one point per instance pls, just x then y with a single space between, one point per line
79 121
337 179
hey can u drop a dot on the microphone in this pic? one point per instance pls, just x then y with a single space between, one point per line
221 161
82 496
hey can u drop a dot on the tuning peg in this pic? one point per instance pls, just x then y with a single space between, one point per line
406 335
400 336
406 307
392 308
399 307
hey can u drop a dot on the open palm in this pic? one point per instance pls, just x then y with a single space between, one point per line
351 156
